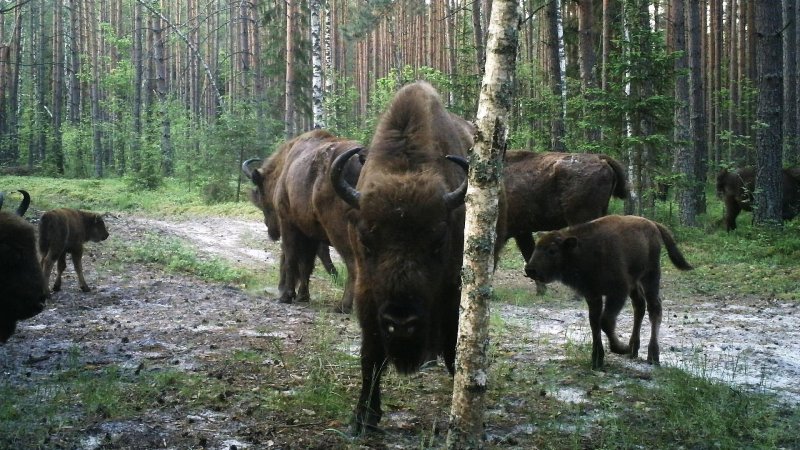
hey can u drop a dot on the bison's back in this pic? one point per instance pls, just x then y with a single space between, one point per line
548 191
61 230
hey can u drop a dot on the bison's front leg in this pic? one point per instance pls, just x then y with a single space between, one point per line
595 313
373 361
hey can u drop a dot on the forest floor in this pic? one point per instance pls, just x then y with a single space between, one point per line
142 320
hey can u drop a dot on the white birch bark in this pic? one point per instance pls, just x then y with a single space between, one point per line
317 79
486 159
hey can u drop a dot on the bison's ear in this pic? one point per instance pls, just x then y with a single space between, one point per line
570 243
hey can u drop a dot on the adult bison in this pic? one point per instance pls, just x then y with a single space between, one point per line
301 208
65 230
263 200
736 189
407 230
23 292
548 191
613 257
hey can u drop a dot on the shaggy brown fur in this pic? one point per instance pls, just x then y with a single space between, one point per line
63 231
548 191
407 230
293 190
736 191
613 257
23 291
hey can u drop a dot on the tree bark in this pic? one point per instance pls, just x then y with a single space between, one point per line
697 115
485 184
789 82
684 158
768 193
317 93
587 57
58 85
557 126
167 152
289 113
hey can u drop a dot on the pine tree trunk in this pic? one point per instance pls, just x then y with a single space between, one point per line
485 182
58 85
684 158
289 114
768 194
789 81
138 72
587 57
697 115
167 154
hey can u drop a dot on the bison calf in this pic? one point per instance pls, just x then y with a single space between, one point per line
23 291
615 257
63 231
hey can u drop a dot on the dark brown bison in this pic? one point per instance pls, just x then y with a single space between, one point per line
616 257
407 230
23 291
63 231
263 200
736 189
301 208
548 191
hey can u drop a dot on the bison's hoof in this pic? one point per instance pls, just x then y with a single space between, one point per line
56 288
360 429
85 288
285 300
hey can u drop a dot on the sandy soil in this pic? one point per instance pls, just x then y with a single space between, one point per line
142 318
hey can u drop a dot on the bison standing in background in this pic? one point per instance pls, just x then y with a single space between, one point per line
263 200
548 191
23 291
407 230
736 188
294 191
63 231
613 257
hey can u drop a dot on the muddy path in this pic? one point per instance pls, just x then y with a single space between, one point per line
141 319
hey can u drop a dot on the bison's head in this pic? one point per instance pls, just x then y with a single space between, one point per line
262 199
552 251
96 228
22 288
407 231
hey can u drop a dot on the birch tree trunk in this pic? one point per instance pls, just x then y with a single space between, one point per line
768 193
317 79
485 184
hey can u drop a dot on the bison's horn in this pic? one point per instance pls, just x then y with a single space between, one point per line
347 192
246 167
456 198
26 201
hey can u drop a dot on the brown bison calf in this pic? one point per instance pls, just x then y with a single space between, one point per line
615 257
23 291
63 231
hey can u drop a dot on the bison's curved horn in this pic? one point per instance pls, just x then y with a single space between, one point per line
26 201
456 198
343 189
246 167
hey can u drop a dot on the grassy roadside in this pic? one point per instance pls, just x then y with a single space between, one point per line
529 404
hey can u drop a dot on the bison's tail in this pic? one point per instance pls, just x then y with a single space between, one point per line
673 252
620 179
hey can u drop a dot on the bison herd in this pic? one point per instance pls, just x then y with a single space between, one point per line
25 275
394 212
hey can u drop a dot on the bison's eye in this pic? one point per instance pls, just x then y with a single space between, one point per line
552 251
